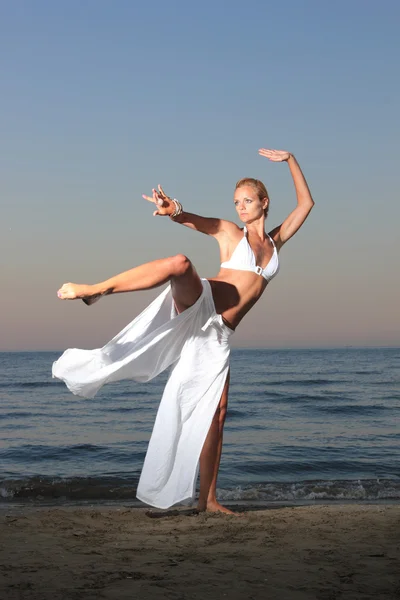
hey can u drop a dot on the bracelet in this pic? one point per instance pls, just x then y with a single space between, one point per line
178 209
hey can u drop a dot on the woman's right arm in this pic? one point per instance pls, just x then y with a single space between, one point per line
210 226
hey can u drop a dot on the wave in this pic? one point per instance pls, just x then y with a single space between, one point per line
360 409
123 488
31 384
69 489
339 490
33 454
291 382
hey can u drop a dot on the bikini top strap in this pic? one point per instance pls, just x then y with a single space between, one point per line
272 241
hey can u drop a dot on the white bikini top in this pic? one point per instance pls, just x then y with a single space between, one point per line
243 259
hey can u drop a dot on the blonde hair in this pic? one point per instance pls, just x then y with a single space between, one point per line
258 186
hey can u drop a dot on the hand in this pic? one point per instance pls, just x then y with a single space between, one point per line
165 206
274 155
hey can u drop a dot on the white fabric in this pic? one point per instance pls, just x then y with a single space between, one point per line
197 341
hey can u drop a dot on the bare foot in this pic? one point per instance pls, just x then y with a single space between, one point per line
217 507
72 291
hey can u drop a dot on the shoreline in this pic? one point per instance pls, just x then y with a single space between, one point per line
320 552
237 505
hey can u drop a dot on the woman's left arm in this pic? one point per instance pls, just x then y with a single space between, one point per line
295 220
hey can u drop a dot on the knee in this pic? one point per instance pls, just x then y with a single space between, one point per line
181 265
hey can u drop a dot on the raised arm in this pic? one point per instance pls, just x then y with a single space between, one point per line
166 207
295 220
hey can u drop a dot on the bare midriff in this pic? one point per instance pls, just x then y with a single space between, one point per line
235 292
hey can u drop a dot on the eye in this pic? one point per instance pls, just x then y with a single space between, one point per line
236 202
249 200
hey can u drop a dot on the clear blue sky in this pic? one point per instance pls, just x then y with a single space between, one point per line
101 101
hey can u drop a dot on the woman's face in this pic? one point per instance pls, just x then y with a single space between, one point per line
248 205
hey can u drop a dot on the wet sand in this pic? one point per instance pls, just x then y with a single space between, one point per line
297 553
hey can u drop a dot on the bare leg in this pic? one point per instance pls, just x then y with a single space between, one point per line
210 459
185 282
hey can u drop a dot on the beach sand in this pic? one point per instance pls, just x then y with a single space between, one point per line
296 553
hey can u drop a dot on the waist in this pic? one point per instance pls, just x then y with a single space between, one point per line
228 324
234 296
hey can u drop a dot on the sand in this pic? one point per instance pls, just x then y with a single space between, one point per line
296 553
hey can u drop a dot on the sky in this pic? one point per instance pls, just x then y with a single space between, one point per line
101 101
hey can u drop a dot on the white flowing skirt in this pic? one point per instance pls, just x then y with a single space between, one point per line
196 344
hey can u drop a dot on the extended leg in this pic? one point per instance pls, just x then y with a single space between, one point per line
186 284
210 458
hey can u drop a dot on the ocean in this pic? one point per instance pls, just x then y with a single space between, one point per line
303 426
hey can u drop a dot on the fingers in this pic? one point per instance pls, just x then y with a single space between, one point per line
155 198
267 153
161 192
160 199
163 195
274 155
272 152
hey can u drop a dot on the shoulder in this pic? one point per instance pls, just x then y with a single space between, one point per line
228 230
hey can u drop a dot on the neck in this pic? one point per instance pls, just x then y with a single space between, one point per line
256 227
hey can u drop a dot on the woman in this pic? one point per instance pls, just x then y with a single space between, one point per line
188 326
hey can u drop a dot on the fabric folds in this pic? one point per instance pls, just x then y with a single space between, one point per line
195 343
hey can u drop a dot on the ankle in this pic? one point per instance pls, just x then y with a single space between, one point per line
212 499
99 289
